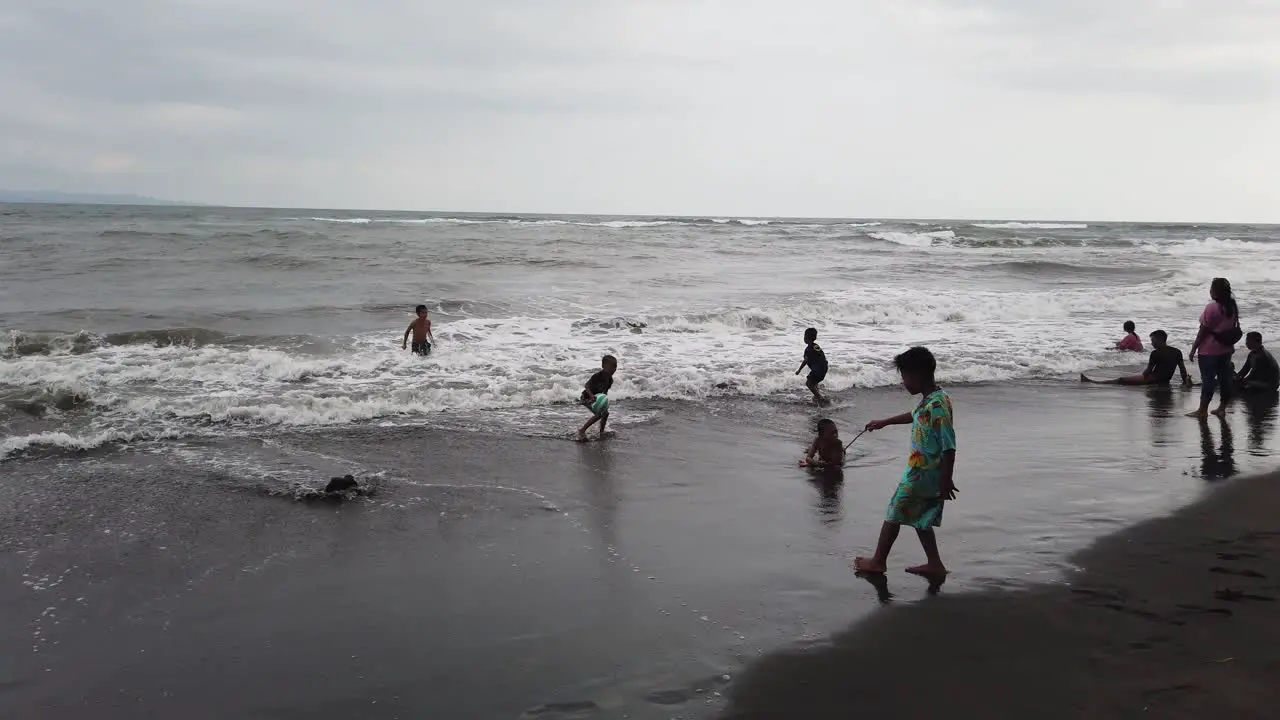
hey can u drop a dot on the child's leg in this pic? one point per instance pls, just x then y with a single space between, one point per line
813 388
582 431
879 561
604 420
934 566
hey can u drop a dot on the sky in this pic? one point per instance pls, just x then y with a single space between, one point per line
1161 110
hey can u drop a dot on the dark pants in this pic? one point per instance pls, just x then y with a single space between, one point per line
1215 372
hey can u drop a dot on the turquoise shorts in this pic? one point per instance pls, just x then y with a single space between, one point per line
600 405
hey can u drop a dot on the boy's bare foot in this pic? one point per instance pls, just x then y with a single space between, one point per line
1220 412
868 565
1198 414
582 436
928 570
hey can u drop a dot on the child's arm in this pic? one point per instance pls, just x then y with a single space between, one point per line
948 490
430 337
1244 371
1186 376
903 419
802 364
808 456
405 344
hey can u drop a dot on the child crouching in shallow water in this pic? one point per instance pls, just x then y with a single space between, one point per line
826 447
595 396
927 483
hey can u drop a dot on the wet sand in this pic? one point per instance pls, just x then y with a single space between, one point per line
652 575
1174 618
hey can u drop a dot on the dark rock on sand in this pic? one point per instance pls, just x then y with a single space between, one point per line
341 484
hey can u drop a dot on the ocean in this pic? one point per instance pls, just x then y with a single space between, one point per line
174 323
176 382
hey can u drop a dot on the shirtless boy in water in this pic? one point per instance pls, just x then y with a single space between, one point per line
421 329
826 450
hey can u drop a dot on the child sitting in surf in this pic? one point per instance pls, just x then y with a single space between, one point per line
826 450
817 362
1161 365
1131 341
595 396
928 481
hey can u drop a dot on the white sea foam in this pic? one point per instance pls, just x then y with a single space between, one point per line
1031 226
18 445
710 314
920 240
529 363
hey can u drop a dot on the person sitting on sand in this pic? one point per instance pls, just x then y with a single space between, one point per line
826 447
1162 363
595 396
1260 373
1131 341
928 481
421 329
816 359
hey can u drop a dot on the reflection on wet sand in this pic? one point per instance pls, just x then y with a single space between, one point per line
1260 413
1161 402
1217 462
829 483
596 472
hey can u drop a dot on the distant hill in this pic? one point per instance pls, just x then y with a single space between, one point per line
65 198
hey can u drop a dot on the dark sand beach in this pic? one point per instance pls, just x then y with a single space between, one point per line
1173 618
683 568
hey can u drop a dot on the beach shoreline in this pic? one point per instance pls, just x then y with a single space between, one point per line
493 574
1175 617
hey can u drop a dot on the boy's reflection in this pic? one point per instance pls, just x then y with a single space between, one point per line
829 483
1260 413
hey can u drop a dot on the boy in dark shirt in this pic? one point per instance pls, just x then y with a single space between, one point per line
817 362
1260 372
595 396
1161 365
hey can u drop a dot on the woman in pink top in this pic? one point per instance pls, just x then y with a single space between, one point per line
1219 332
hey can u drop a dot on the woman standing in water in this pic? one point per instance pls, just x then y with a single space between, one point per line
1219 332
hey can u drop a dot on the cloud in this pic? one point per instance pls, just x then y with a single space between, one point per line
1182 50
818 107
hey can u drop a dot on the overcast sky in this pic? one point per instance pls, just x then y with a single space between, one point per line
1089 109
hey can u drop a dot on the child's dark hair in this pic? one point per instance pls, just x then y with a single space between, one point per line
420 308
810 335
1254 336
825 423
608 360
917 361
1129 326
1160 335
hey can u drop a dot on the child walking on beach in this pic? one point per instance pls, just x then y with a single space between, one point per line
928 481
826 447
421 329
817 362
595 396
